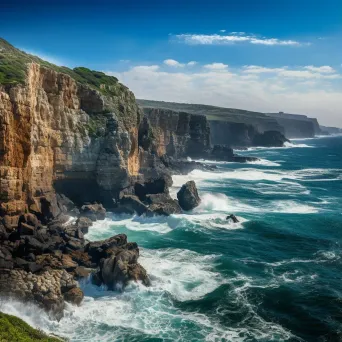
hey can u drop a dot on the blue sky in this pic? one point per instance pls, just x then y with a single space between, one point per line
255 54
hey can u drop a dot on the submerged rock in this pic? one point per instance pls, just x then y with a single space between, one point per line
233 218
188 196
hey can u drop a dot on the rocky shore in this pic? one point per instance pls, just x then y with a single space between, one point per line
74 144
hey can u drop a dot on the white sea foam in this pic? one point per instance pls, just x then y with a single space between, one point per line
260 161
287 145
176 274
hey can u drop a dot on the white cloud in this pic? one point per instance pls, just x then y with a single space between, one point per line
216 66
307 72
222 31
191 63
146 67
322 69
232 38
173 63
285 90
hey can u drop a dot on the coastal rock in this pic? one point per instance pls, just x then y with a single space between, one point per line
121 268
93 211
269 139
133 204
83 223
188 196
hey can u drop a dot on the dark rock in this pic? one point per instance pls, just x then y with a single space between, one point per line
222 152
119 269
74 296
93 211
233 218
162 204
155 186
6 264
32 245
20 263
188 196
81 258
33 267
269 139
133 203
97 249
83 223
26 229
29 219
75 244
3 233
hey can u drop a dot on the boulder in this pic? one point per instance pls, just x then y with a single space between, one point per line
93 211
162 204
188 196
121 268
74 296
98 249
83 223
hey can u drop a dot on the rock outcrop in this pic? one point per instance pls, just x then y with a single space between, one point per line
188 196
44 264
269 139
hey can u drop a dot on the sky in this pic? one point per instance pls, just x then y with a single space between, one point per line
261 55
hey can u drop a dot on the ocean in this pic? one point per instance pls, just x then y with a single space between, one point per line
274 276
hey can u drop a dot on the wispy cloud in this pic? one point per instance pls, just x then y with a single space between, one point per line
216 66
306 72
322 69
233 38
176 64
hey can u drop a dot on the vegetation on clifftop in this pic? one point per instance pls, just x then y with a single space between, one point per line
13 68
14 329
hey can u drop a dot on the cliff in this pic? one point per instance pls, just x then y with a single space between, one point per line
71 131
330 130
178 134
228 126
297 126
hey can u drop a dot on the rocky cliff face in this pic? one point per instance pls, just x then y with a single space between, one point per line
178 134
297 126
58 134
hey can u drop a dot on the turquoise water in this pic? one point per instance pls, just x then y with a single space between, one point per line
274 276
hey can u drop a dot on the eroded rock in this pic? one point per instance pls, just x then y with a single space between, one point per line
188 196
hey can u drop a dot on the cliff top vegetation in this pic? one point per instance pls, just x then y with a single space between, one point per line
13 68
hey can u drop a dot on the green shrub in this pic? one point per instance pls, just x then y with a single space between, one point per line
14 329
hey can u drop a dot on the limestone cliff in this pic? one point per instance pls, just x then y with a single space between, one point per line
178 134
296 125
56 133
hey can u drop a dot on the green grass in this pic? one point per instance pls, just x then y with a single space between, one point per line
14 329
13 69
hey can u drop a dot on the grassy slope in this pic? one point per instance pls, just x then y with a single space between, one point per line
13 66
14 329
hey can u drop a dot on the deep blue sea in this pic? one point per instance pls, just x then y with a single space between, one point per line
275 276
